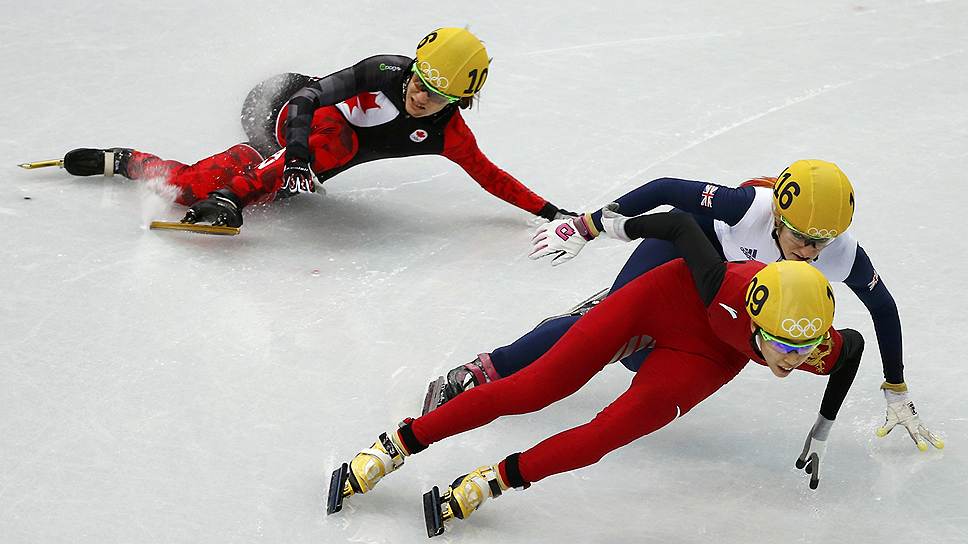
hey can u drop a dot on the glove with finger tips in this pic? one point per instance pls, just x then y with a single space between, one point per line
613 224
221 207
901 411
563 238
297 177
814 449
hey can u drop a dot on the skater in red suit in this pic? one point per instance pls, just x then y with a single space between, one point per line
299 127
708 318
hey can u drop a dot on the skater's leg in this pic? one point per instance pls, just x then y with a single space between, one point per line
672 385
667 387
194 181
525 350
260 111
591 343
650 254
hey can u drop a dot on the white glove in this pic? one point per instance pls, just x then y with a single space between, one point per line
900 410
562 238
814 449
613 224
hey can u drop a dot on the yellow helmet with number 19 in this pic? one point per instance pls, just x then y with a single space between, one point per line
791 300
453 61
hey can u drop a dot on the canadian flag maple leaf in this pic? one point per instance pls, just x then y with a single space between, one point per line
364 101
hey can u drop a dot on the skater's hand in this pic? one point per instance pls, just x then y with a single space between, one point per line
813 450
564 214
297 177
900 410
562 238
552 212
613 224
221 207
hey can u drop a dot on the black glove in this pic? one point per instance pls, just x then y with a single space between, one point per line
297 177
552 212
221 207
813 450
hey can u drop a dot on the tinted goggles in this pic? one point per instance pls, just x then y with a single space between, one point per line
434 94
786 346
806 239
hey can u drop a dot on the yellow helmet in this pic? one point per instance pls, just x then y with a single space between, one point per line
814 198
453 61
791 300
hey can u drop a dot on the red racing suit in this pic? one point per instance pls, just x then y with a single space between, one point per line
703 338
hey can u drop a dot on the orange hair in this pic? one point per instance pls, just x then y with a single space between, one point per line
759 182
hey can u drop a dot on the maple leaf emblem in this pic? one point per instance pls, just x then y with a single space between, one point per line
364 101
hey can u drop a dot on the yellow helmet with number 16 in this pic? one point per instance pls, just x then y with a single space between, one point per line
814 198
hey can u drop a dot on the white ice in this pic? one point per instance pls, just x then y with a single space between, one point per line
167 387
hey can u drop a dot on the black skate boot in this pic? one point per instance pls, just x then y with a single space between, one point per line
94 162
460 379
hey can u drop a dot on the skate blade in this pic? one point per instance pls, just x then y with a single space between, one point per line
433 399
432 513
195 227
590 302
581 308
334 502
42 164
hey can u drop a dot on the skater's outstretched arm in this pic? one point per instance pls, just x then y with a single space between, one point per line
848 349
460 146
727 204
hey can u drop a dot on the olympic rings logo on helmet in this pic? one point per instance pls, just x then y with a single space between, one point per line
432 75
822 233
802 328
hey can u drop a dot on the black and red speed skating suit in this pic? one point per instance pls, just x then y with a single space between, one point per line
353 116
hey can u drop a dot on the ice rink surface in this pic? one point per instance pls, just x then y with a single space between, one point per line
176 388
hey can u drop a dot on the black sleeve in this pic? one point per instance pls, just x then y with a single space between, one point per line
370 74
842 375
705 264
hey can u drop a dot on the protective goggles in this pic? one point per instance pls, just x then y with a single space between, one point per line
434 94
785 346
806 239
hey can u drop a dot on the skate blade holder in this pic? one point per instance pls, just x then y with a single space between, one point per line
436 511
195 227
334 502
42 164
433 397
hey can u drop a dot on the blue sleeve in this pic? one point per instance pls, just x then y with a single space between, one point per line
727 204
870 289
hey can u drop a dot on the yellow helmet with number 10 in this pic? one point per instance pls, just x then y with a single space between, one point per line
453 61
